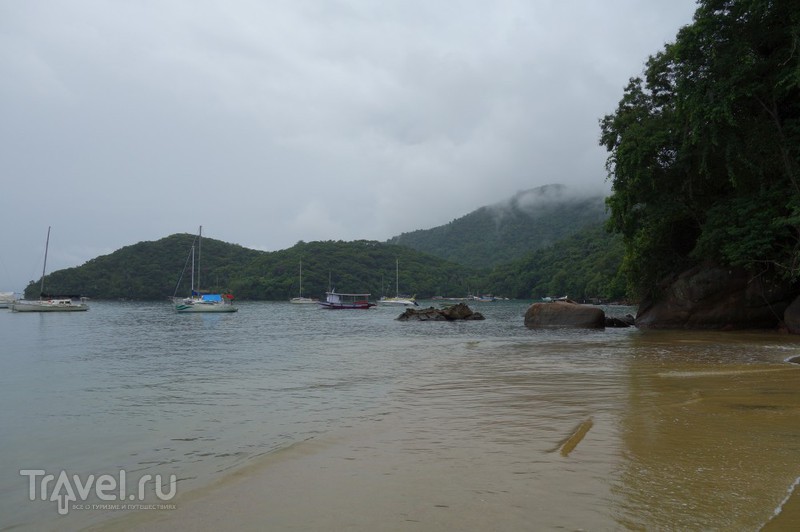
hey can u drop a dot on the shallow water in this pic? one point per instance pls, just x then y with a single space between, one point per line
583 429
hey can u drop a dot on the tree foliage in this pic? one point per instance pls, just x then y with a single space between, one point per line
585 265
150 270
532 219
705 150
161 269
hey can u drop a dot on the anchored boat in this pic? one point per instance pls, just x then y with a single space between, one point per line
336 301
197 301
50 302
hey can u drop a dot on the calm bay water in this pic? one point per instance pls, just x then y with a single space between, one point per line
680 430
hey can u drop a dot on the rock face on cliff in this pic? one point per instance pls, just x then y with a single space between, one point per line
791 317
561 314
452 313
710 297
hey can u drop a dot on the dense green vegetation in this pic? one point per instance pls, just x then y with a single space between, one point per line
360 266
523 239
582 266
498 234
150 270
158 270
705 150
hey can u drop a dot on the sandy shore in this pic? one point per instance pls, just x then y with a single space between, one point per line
375 483
789 516
364 484
445 466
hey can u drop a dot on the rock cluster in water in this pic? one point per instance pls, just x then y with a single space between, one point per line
459 311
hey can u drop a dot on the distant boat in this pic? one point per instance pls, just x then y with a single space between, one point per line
398 299
483 299
6 298
198 302
338 301
49 302
300 300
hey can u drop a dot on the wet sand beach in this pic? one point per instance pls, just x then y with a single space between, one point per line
663 445
298 420
376 482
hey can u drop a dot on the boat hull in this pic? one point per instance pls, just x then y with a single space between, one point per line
303 301
398 301
345 306
200 308
47 306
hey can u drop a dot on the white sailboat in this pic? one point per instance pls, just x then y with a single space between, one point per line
398 299
49 302
198 302
300 300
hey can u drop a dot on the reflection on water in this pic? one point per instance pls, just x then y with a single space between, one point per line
578 429
710 433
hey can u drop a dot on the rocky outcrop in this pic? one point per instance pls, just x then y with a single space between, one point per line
563 314
711 297
459 311
620 321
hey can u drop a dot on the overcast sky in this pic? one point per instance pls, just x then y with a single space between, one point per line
274 121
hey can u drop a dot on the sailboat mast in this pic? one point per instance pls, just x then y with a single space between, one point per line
44 267
301 277
199 249
191 289
397 277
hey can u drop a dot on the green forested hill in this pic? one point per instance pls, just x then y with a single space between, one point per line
149 270
538 243
500 233
152 270
584 265
359 266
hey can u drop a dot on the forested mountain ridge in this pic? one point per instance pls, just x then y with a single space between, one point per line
583 265
357 266
161 269
149 270
496 234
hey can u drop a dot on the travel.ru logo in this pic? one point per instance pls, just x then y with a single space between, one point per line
67 489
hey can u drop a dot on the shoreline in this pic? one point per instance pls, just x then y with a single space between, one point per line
361 480
378 475
364 479
787 514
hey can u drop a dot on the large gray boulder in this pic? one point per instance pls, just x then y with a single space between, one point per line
791 317
712 297
564 314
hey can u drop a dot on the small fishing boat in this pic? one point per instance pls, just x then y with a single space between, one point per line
336 301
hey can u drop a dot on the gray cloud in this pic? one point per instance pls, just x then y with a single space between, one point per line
273 122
